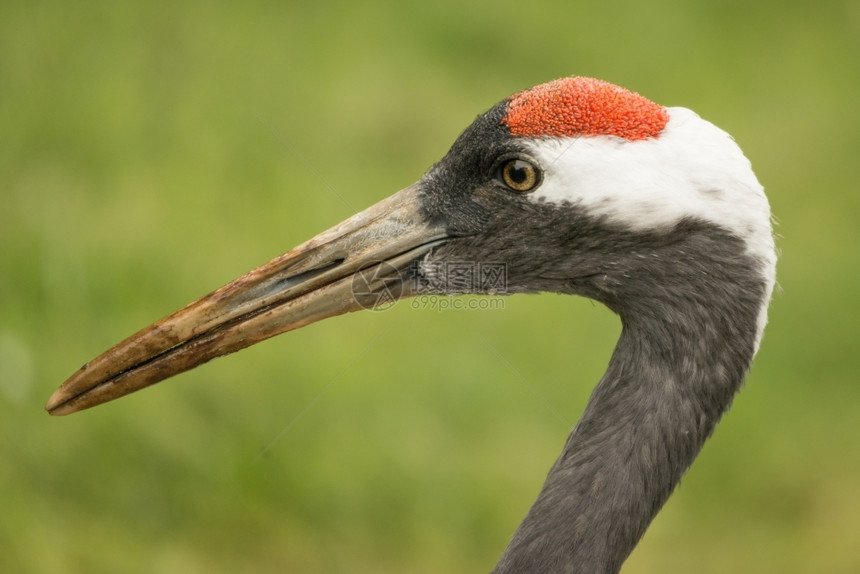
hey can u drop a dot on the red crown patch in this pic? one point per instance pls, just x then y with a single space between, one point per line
584 106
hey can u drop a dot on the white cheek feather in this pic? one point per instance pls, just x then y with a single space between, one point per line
693 169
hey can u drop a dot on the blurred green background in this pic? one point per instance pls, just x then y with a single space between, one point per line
152 151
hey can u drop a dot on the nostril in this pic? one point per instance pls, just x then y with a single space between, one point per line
326 266
298 278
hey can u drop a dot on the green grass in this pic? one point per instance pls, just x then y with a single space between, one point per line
150 152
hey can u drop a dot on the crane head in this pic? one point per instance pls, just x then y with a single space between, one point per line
572 186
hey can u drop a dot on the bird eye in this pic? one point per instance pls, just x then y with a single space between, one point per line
519 175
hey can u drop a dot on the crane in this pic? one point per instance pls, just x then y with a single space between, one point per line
577 186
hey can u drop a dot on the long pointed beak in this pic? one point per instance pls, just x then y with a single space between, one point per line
357 264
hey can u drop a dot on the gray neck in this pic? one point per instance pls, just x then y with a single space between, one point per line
670 379
689 298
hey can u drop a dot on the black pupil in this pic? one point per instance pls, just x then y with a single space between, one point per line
518 171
